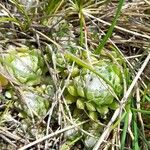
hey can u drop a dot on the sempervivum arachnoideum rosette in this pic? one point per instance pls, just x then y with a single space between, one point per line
25 65
91 93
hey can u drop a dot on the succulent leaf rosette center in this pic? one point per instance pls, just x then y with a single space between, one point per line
92 93
25 66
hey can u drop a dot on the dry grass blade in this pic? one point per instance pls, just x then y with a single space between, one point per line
117 27
123 101
71 95
51 135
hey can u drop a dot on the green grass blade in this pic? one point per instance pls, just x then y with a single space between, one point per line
141 111
6 19
123 138
119 120
49 9
135 131
79 6
51 6
110 30
22 10
81 30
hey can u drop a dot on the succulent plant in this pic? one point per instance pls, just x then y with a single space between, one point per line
91 93
24 65
36 101
89 96
95 129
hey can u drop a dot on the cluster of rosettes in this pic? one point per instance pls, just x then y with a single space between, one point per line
25 65
91 93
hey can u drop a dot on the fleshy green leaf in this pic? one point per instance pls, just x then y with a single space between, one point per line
93 115
72 90
114 105
80 104
70 99
80 91
90 106
102 110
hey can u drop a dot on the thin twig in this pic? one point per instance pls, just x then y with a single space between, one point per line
108 129
117 27
51 135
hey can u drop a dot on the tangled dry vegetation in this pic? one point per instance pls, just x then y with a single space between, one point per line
74 74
